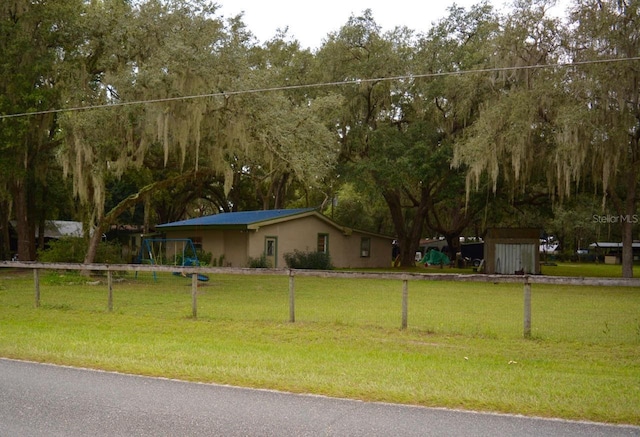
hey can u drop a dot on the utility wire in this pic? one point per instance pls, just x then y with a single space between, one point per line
320 85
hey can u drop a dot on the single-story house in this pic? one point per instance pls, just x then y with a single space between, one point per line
239 236
510 251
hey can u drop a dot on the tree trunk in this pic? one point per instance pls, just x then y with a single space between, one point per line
628 220
42 224
142 195
5 236
281 191
408 232
453 241
627 247
408 247
94 241
24 228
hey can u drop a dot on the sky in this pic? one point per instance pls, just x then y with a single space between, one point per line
310 22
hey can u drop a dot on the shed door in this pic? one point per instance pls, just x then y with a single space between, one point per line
511 258
271 251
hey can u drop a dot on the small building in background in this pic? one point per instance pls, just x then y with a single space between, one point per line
512 251
611 252
53 230
56 229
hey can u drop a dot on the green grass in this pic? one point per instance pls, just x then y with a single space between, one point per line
587 270
463 349
550 269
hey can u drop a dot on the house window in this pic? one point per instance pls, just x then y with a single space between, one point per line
323 243
271 247
365 247
271 251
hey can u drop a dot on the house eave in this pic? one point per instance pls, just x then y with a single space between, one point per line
203 227
257 225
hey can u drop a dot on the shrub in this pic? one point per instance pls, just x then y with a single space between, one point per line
308 260
73 250
217 262
109 252
205 258
64 250
259 263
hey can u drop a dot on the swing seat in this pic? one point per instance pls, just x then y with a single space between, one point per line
202 278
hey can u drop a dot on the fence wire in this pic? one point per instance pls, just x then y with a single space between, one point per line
561 311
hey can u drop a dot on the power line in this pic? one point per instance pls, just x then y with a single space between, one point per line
318 85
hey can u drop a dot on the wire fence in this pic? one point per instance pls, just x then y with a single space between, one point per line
590 310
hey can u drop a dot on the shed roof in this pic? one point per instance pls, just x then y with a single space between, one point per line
58 228
62 228
240 220
611 245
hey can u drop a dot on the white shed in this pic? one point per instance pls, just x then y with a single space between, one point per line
510 251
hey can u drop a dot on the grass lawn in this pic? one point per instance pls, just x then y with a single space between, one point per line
587 270
552 269
463 348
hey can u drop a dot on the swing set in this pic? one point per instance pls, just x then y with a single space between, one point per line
154 251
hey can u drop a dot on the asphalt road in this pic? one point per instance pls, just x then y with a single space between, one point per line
47 400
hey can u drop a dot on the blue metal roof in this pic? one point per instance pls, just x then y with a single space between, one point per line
237 219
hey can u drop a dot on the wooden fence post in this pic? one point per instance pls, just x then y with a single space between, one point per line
36 284
527 307
405 302
194 295
292 298
110 286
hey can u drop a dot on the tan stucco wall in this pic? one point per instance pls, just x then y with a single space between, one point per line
212 241
302 234
235 248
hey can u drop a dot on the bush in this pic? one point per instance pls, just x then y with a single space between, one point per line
73 250
217 262
204 258
64 250
259 263
109 252
308 260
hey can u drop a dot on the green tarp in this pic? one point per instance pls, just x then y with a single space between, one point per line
435 257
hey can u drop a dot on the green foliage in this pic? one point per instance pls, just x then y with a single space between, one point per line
35 36
259 263
308 260
204 258
360 210
69 250
73 250
505 130
109 253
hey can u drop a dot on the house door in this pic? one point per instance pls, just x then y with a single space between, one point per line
271 251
